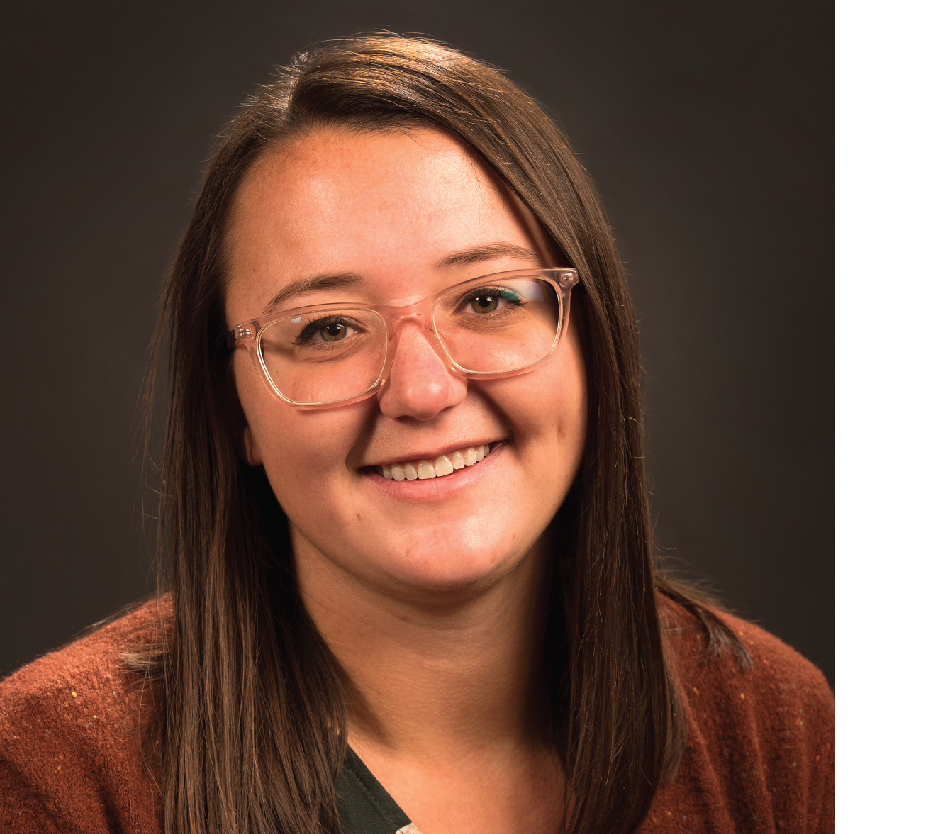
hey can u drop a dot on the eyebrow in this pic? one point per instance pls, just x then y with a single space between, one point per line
327 281
488 252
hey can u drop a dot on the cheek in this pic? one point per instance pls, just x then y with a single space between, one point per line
547 411
560 397
573 375
292 444
304 446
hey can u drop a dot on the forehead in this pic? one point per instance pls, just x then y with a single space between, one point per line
387 206
312 168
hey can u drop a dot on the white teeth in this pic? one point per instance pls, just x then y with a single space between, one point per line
443 465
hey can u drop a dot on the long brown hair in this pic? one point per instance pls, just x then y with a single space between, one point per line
252 720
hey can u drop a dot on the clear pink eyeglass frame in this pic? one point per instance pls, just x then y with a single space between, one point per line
249 333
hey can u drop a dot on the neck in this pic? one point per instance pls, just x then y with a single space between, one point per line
425 678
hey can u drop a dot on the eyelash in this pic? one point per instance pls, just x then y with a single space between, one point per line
501 293
316 326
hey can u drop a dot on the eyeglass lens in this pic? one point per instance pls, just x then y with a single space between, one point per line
325 357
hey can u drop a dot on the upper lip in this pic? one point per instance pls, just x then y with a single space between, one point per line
432 455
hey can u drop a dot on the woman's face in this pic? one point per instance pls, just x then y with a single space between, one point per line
406 214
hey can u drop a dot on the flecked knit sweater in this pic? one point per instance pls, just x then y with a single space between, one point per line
759 758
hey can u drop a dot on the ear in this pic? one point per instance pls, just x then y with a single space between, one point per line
234 420
250 450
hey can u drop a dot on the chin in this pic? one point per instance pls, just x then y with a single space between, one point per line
440 574
442 571
427 564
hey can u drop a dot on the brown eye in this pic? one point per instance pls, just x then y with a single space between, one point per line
333 332
485 303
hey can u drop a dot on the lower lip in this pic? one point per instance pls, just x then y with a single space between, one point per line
435 489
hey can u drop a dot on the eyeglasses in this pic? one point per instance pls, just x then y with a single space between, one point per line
335 354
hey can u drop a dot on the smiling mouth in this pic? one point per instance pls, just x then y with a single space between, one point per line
422 470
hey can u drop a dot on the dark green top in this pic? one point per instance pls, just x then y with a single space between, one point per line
365 807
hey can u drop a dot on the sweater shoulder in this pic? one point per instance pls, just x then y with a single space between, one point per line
777 673
94 653
760 752
71 728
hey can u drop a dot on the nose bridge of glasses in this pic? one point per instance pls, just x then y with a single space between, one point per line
418 313
410 317
413 317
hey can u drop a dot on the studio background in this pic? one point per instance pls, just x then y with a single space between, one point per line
707 128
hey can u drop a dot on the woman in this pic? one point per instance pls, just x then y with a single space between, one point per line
403 503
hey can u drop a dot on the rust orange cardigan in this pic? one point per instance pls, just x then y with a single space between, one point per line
759 758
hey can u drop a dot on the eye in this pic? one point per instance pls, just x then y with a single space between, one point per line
491 300
333 332
328 330
484 303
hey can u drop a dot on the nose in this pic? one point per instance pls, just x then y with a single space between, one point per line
419 384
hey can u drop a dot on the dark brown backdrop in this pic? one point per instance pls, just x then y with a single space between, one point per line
708 127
